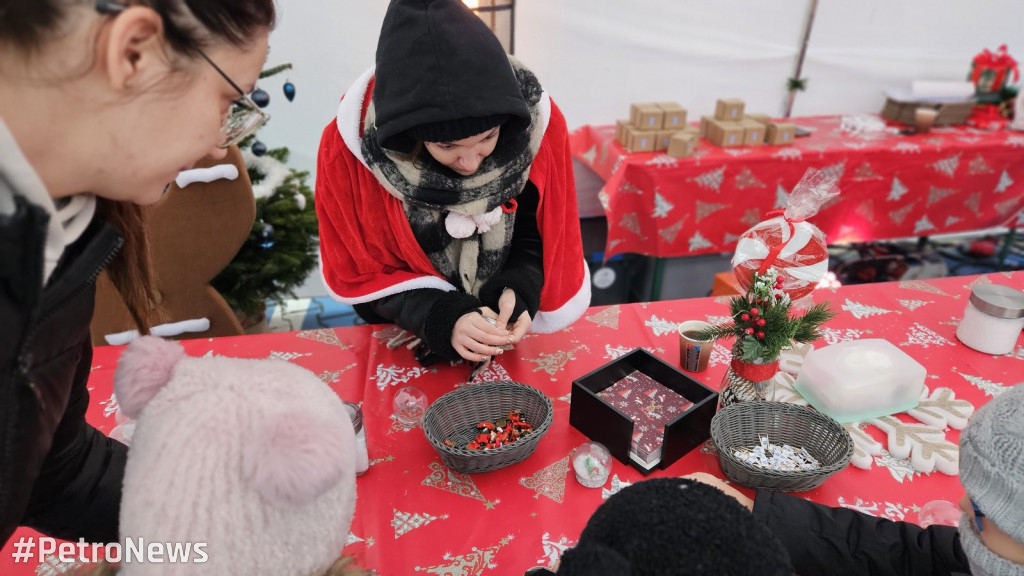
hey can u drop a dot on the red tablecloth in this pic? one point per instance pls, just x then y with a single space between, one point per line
951 180
415 516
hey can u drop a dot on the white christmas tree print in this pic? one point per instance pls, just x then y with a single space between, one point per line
1004 183
914 304
405 522
661 206
627 187
898 216
746 179
788 153
950 220
697 242
275 355
920 335
1004 207
835 170
495 372
836 335
631 222
711 180
989 387
617 485
947 166
892 511
897 189
669 234
923 224
865 172
662 161
978 166
862 310
1015 141
706 208
867 210
907 148
614 352
736 152
661 327
590 155
973 202
781 199
394 375
900 468
752 216
935 194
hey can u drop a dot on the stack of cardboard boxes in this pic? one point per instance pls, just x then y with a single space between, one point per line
730 126
662 126
657 126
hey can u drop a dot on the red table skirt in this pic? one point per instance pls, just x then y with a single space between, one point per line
954 179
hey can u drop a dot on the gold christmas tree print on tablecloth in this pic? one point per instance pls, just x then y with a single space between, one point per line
331 376
459 484
862 310
979 166
395 375
549 481
405 522
609 317
552 363
922 286
921 335
325 336
711 180
473 563
989 387
669 234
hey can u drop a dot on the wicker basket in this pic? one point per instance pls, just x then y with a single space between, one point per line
740 425
455 415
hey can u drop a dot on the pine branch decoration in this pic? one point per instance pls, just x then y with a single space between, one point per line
762 322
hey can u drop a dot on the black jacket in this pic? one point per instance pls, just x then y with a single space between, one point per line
839 541
58 474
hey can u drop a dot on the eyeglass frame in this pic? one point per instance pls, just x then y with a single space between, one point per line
244 105
978 514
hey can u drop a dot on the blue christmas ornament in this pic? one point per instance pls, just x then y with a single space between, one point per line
260 97
258 148
265 236
289 91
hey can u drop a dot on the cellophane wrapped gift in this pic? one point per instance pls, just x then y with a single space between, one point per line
990 71
788 243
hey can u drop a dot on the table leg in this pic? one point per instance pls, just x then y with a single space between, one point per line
1004 250
659 274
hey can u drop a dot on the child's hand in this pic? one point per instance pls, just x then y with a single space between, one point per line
506 305
476 336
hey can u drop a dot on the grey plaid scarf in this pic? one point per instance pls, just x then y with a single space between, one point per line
429 190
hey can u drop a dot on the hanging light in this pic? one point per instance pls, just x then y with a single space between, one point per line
500 17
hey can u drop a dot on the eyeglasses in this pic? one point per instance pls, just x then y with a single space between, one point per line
244 118
978 514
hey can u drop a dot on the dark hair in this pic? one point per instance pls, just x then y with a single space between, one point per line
28 24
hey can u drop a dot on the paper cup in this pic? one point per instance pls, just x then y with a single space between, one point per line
694 353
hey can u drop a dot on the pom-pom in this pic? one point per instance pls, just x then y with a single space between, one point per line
487 219
459 225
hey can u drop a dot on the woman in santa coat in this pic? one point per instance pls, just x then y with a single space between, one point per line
445 190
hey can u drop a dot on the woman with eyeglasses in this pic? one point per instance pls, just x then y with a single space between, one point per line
989 540
445 191
102 103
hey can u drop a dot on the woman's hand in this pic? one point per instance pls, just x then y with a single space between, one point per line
477 337
506 305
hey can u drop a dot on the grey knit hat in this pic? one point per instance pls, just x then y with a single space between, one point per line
992 461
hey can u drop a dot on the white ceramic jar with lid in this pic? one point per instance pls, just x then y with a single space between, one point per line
993 319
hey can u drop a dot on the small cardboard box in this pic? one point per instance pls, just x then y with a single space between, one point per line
663 137
725 133
703 128
600 422
729 109
620 131
682 144
675 116
639 140
781 133
762 118
753 132
646 116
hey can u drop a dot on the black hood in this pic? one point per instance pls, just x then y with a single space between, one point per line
438 62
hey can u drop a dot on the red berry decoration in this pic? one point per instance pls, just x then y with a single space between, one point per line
754 311
760 334
761 321
748 331
745 317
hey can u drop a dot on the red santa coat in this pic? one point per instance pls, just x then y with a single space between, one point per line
367 248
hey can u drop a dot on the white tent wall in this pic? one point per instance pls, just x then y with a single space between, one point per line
595 57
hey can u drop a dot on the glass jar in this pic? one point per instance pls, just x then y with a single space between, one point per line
748 381
993 319
362 455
